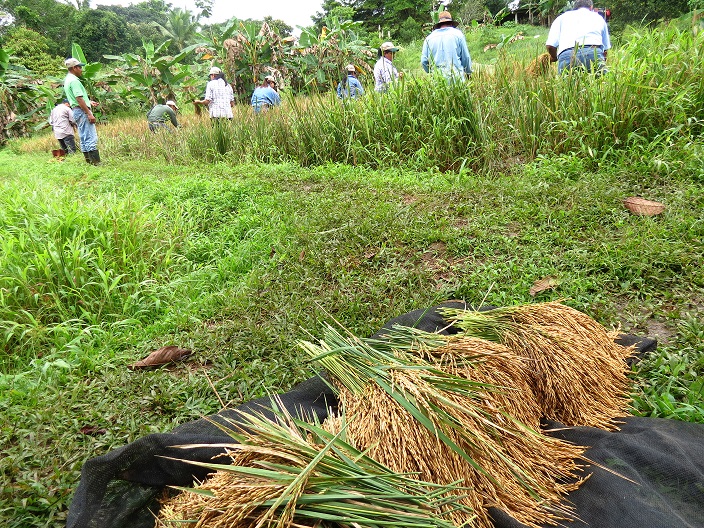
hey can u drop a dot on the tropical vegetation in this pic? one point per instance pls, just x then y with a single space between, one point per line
238 241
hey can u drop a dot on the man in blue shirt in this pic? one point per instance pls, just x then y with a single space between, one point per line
350 87
265 96
446 49
579 38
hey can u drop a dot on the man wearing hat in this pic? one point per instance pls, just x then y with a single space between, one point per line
446 49
83 115
265 96
385 72
62 122
350 87
219 95
160 114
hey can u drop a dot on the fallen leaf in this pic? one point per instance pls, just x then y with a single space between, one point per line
370 254
548 283
162 356
92 430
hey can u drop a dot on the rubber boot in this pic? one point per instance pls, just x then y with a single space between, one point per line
95 157
86 155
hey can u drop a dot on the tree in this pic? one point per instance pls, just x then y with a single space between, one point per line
99 32
49 18
181 27
279 27
31 50
630 11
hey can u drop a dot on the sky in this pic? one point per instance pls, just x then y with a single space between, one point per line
293 12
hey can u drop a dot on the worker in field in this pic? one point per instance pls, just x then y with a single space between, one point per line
264 96
579 39
82 107
159 116
63 125
385 73
445 49
350 87
219 95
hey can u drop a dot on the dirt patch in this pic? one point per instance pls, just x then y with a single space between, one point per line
659 330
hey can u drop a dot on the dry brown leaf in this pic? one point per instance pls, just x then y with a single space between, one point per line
162 356
92 430
547 283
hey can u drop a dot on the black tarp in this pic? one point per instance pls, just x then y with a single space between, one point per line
662 462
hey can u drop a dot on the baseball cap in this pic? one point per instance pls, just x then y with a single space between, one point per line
351 68
71 62
388 46
215 71
269 78
171 103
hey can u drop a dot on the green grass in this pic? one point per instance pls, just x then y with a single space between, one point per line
190 240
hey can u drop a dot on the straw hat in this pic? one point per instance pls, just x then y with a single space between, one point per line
445 18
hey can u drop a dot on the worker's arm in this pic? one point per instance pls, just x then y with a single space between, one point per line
552 50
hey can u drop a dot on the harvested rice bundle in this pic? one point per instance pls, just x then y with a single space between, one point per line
578 372
288 473
539 66
450 420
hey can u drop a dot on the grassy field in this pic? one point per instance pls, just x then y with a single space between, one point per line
182 240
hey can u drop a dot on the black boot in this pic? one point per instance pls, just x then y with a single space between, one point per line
86 155
94 157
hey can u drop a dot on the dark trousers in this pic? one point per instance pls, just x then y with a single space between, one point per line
68 144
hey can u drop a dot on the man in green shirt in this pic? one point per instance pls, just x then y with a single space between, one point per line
159 115
82 110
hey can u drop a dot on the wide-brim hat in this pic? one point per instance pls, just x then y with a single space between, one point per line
388 46
445 18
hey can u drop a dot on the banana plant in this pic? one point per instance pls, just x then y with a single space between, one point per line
152 76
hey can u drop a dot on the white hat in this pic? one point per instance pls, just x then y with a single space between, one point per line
72 63
215 71
269 78
171 103
351 68
388 46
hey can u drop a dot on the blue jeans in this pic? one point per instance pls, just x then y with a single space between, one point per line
87 132
590 58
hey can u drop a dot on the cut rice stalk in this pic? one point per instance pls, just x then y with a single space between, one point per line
578 372
438 412
289 473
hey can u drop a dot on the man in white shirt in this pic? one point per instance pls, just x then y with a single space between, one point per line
579 39
385 73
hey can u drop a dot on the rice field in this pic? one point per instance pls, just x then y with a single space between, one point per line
239 242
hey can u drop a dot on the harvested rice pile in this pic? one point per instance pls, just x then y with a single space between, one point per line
514 467
436 430
578 372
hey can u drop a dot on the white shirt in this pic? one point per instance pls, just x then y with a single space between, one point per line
384 74
61 119
219 94
581 27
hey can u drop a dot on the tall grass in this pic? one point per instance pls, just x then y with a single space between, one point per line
654 90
